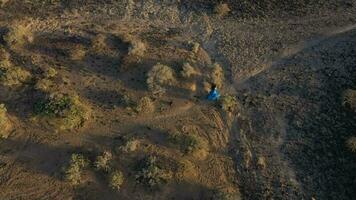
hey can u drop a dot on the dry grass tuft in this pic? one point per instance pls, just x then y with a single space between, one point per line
351 144
349 99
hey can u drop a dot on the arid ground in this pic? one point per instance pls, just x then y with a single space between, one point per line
106 99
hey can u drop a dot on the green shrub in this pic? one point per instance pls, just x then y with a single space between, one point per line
5 124
186 143
150 174
74 170
63 111
229 103
104 162
116 180
159 76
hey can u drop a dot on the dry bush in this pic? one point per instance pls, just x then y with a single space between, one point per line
44 85
137 48
5 124
74 170
145 106
222 9
49 72
261 162
3 2
63 111
116 180
187 143
12 75
104 162
128 144
159 76
19 34
229 103
349 99
150 173
188 71
351 144
78 52
217 75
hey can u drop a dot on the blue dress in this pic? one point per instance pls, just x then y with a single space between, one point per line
213 95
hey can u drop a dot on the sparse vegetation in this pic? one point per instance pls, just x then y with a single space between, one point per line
186 143
229 103
74 170
159 76
150 174
222 9
116 180
64 112
351 144
145 105
104 162
5 124
224 195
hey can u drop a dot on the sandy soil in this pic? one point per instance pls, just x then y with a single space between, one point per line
288 69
